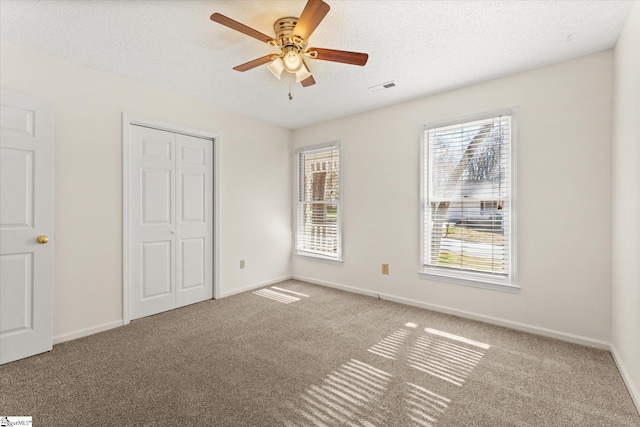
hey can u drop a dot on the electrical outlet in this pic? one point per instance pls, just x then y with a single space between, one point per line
241 263
385 268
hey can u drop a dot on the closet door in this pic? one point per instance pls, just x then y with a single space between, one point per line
152 246
194 231
170 220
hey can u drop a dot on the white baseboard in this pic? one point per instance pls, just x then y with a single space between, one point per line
633 391
564 336
336 286
110 325
86 332
254 286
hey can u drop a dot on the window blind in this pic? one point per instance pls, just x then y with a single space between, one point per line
467 210
318 216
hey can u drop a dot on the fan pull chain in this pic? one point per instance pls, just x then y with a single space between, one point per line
290 97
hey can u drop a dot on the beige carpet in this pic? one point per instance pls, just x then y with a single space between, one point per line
317 357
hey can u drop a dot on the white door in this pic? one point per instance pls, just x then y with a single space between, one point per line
26 218
194 225
171 220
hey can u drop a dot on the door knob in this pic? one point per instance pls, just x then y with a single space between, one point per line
42 239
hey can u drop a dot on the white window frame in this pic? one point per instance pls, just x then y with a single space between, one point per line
310 254
507 283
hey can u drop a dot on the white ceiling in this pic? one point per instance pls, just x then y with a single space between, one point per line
424 46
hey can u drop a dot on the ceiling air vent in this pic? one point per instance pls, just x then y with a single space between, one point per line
382 86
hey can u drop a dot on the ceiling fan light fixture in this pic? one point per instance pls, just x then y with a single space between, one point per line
292 60
276 67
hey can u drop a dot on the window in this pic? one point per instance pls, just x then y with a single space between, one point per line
488 206
467 209
318 231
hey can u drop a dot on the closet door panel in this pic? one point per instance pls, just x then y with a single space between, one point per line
195 219
152 206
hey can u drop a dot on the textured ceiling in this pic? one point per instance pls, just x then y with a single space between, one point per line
424 46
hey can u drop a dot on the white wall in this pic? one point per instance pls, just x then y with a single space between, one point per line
626 203
254 184
564 200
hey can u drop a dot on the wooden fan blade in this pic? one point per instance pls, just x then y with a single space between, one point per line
255 63
309 81
235 25
313 13
353 58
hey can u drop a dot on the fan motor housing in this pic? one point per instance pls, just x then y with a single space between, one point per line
284 26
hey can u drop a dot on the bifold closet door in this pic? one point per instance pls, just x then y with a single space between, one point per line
170 220
194 195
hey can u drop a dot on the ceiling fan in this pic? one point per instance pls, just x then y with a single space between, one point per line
291 38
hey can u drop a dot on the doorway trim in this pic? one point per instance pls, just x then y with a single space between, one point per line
128 120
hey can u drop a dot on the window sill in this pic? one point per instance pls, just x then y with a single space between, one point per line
313 257
468 280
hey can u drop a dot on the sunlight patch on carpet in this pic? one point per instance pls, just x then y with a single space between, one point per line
347 396
389 346
443 359
276 296
457 338
290 291
424 406
353 394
